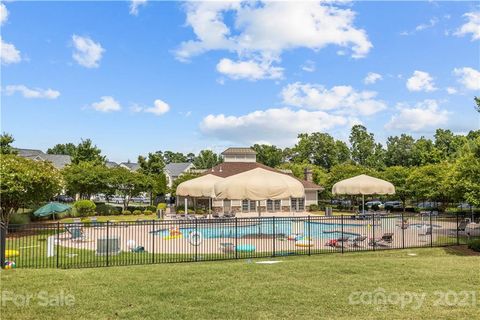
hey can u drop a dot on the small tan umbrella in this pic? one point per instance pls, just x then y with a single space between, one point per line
259 184
198 187
363 185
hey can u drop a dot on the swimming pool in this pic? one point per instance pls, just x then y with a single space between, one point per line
282 227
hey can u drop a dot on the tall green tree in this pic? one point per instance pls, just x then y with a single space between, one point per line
365 151
86 151
398 175
448 143
86 178
400 151
477 103
66 148
128 184
320 149
467 173
174 157
425 152
269 155
25 182
6 141
206 159
153 166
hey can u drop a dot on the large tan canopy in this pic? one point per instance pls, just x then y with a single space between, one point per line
259 184
199 187
363 184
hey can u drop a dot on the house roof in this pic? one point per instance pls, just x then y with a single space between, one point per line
111 164
59 161
176 169
131 165
27 153
239 151
227 169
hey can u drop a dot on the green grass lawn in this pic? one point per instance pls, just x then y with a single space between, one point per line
297 288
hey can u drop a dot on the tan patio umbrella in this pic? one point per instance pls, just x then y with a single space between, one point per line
259 184
363 185
198 187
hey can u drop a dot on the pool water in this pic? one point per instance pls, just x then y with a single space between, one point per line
282 227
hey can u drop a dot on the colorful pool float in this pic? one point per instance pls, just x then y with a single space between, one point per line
304 243
245 248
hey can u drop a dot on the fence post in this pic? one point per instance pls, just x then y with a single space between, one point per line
153 241
431 230
108 242
196 232
403 231
273 238
343 242
58 247
458 225
309 235
3 242
236 237
373 232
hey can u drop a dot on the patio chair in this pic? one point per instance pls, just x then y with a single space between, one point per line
463 224
356 242
428 232
94 222
76 232
215 215
227 247
387 237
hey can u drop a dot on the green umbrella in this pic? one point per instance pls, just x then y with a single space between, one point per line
51 208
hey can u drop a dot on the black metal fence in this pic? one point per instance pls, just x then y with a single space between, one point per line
96 244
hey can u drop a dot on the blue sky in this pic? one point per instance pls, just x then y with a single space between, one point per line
146 76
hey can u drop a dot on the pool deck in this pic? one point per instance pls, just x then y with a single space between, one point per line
144 235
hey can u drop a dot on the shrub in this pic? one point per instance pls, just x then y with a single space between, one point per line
126 212
148 212
313 207
200 211
474 245
375 207
151 208
161 206
133 208
85 208
137 212
105 209
19 219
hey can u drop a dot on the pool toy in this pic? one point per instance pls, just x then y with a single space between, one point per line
10 265
245 248
11 253
304 243
174 233
195 238
294 237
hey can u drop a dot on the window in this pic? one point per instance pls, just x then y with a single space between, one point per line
253 205
270 205
245 206
277 205
297 204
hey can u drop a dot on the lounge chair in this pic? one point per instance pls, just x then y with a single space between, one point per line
384 241
356 242
428 232
75 232
462 225
227 247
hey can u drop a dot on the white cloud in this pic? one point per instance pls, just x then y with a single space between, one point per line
135 4
263 30
372 77
107 104
8 53
421 81
35 93
451 90
278 126
3 14
471 26
308 66
159 108
87 52
424 115
342 99
249 69
469 77
430 24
